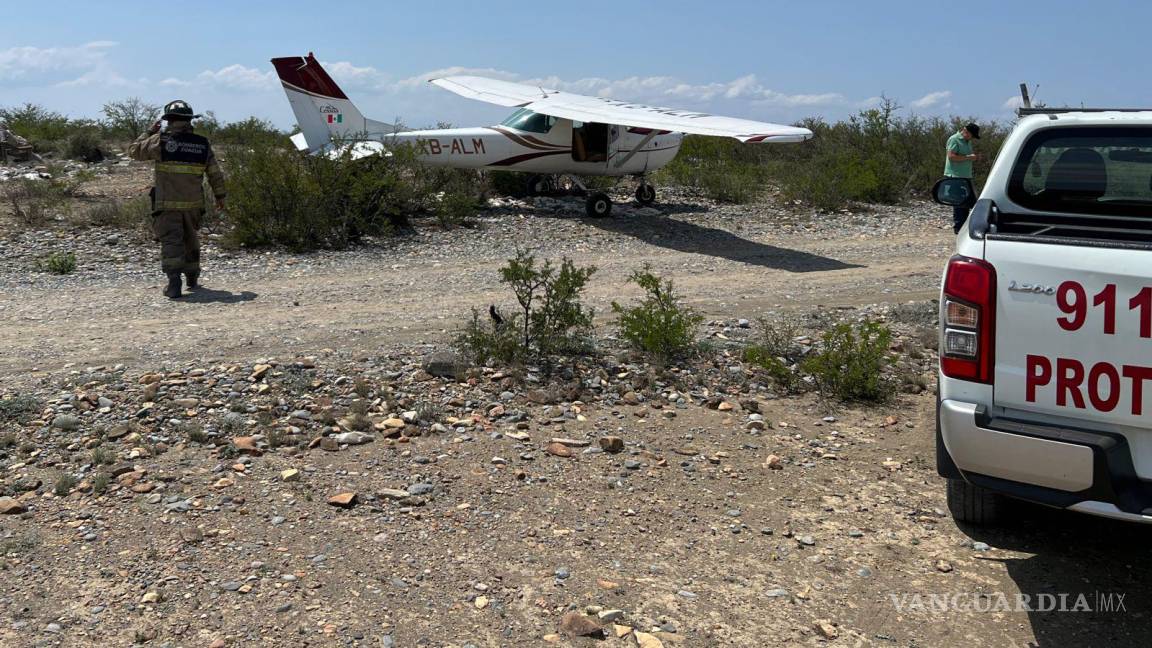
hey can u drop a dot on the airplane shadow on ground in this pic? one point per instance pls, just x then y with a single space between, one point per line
210 296
684 236
1076 554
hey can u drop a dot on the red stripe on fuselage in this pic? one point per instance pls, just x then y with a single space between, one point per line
527 156
525 142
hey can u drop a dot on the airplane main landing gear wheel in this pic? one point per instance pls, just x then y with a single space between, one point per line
540 185
598 205
645 194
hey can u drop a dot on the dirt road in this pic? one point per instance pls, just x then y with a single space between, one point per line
727 261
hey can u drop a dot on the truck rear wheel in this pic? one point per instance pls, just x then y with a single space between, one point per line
973 504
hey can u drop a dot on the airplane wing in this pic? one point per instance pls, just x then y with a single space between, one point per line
567 105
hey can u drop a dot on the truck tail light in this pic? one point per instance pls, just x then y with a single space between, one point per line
968 324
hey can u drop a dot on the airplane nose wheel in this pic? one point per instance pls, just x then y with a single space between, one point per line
598 205
645 194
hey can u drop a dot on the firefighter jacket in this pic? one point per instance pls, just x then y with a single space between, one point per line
182 159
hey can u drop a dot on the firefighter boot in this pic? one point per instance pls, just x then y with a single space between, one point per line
193 277
173 289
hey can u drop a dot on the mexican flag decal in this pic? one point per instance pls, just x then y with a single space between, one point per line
335 119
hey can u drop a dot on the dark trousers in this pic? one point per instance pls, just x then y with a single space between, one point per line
959 215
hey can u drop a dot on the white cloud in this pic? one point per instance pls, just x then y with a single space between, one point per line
421 80
351 76
35 63
241 77
938 99
746 88
102 76
1012 103
237 77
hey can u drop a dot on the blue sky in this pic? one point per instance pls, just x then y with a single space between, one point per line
776 61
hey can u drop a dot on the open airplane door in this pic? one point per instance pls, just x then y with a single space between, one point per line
592 143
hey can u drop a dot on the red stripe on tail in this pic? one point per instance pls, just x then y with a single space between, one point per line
305 73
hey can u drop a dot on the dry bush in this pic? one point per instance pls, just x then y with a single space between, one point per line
133 215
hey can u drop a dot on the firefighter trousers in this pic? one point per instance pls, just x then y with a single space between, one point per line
179 244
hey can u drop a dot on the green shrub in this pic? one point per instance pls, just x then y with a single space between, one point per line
660 324
102 456
134 214
777 353
297 380
19 544
280 197
59 263
460 196
778 369
721 168
850 365
100 482
508 183
599 182
246 132
196 434
876 156
362 388
35 202
277 438
483 340
19 408
84 145
64 484
552 318
42 128
128 118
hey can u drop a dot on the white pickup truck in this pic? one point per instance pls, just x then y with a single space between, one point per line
1046 322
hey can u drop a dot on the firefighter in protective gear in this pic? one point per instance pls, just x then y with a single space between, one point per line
182 160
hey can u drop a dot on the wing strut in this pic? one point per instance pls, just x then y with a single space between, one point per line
635 149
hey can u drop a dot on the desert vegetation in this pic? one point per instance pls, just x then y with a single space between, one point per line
881 155
878 155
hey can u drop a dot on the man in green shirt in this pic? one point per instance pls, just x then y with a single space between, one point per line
958 164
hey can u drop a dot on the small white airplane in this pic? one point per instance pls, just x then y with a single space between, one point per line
554 135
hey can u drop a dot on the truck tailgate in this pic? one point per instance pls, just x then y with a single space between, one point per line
1074 331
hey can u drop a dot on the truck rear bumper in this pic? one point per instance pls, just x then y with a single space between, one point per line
1078 469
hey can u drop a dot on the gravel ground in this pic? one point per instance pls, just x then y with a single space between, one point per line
272 462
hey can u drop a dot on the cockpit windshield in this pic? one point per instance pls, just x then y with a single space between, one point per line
529 122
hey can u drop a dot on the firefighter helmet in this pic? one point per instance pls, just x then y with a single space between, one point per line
179 109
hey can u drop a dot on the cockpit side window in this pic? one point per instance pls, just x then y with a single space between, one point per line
529 122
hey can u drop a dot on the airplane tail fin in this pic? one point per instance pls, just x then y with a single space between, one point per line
323 111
